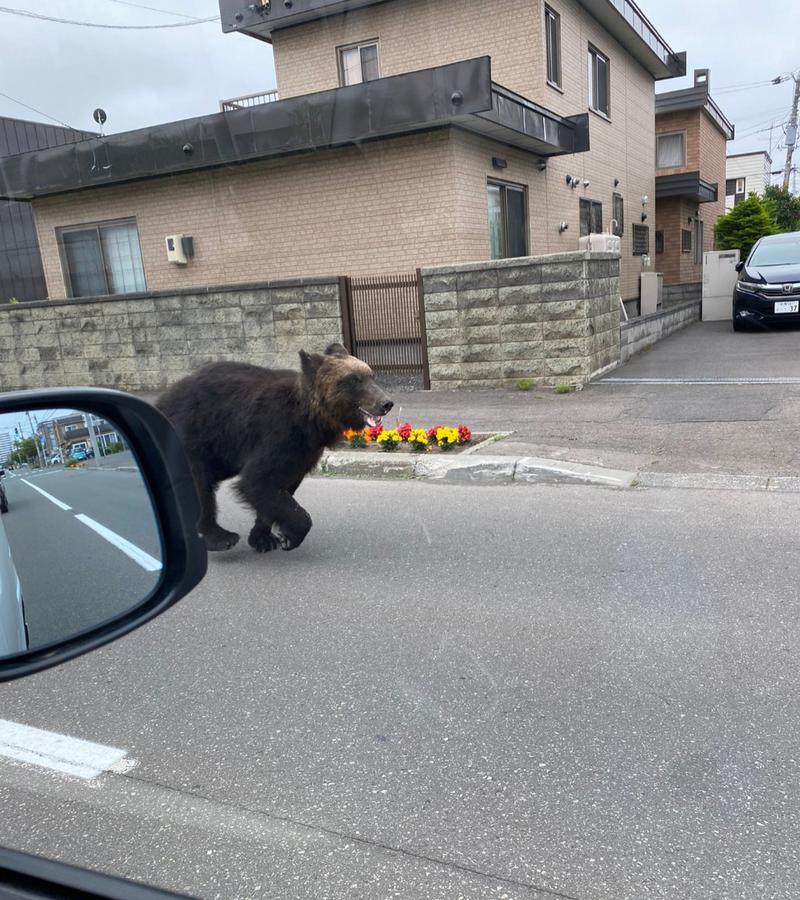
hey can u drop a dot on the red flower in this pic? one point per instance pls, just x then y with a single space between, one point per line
464 434
373 431
432 432
404 431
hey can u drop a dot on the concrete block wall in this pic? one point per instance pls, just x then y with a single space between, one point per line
551 319
143 342
638 334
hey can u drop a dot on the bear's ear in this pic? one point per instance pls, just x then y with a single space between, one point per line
310 363
336 350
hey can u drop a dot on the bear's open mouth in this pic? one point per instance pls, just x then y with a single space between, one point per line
369 419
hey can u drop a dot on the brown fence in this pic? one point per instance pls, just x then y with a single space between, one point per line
383 322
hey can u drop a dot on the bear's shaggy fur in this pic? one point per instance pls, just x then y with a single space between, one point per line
269 426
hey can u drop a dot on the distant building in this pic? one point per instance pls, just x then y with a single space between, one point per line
6 445
691 138
746 173
21 273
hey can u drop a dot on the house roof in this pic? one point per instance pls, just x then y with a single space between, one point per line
21 135
460 95
751 153
621 18
686 184
697 97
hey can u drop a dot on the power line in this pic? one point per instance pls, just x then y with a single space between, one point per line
167 12
32 15
38 111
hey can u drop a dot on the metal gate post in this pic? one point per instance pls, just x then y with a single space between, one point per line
346 308
423 333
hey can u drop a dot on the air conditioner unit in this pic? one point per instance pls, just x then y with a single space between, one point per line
179 248
600 243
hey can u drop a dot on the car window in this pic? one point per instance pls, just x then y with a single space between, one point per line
776 253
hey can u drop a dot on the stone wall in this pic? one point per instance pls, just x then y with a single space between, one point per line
550 319
142 342
640 333
675 294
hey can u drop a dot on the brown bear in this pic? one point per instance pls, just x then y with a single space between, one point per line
269 426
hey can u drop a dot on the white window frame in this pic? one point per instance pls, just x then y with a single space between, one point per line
593 54
673 134
743 183
340 51
551 14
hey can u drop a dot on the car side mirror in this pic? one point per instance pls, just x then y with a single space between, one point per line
98 542
739 266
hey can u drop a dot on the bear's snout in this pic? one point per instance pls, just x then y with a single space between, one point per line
386 407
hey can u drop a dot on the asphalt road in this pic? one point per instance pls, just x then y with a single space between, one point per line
449 691
73 577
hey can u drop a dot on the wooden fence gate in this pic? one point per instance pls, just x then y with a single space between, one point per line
383 321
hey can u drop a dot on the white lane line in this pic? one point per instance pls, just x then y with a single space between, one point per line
701 381
59 752
50 497
147 562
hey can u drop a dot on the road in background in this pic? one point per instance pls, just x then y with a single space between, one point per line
520 692
74 571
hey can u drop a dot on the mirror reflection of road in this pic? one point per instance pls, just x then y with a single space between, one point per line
85 545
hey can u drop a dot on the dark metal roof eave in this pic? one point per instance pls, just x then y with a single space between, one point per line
688 185
695 98
461 94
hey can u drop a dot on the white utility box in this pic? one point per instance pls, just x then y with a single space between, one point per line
600 243
719 279
652 292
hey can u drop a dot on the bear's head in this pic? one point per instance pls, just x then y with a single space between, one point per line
342 390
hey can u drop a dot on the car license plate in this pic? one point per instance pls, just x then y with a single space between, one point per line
787 306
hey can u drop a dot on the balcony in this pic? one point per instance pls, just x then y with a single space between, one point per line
247 100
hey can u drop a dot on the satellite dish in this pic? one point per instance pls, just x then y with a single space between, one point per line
99 115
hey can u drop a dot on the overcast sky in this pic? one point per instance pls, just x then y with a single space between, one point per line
144 77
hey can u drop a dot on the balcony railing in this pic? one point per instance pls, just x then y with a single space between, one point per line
248 100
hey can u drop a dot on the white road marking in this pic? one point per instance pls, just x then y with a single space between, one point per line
147 562
50 497
59 752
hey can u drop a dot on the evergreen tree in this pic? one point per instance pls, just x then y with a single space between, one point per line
744 225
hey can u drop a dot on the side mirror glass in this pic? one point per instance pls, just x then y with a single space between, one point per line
88 517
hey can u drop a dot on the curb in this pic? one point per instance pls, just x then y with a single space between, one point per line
465 469
497 470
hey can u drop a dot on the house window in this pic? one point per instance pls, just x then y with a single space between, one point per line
740 185
641 240
508 220
618 214
686 240
552 30
730 187
591 217
659 242
670 150
358 63
598 82
102 259
698 242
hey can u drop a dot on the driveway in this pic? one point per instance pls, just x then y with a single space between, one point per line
712 351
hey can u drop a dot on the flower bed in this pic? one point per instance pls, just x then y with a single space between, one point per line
439 438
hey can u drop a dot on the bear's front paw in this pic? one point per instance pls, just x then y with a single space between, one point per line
262 540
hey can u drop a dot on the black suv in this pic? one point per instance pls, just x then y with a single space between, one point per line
768 289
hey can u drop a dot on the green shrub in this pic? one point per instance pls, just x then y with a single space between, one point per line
563 389
524 384
744 225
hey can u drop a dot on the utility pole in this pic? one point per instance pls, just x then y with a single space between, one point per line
36 441
87 417
791 133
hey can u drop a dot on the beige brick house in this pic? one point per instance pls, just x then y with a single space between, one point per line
407 134
691 138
